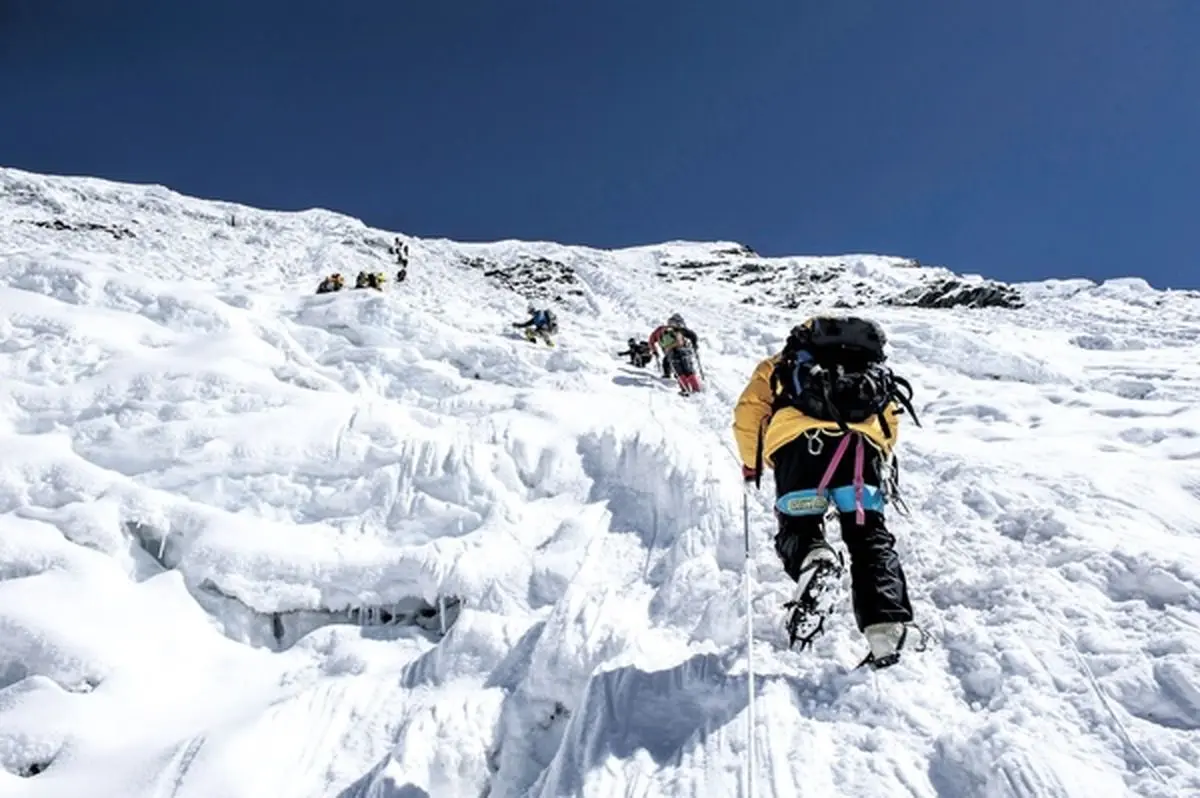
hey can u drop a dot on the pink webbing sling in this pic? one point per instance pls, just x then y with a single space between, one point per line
860 515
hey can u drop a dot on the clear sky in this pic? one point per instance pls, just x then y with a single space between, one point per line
1020 139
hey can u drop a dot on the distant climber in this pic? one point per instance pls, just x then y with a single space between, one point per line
541 324
402 274
638 352
400 250
827 392
334 282
681 352
370 280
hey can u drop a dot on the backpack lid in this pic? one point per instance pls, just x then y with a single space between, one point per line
831 338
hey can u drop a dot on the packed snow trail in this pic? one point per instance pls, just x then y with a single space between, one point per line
235 517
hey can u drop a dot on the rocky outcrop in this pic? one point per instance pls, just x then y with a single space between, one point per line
738 250
535 278
116 231
952 293
792 286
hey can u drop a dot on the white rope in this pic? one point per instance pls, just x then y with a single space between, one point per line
1122 729
747 578
750 715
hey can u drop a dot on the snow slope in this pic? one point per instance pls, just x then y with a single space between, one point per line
259 542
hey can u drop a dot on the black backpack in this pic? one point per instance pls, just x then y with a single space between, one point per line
834 369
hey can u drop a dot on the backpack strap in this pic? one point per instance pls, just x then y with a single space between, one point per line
831 407
758 453
900 391
774 381
827 477
884 425
860 516
905 400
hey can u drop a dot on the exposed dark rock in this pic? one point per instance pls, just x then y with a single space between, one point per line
536 278
791 286
788 286
116 231
753 267
738 251
726 271
952 293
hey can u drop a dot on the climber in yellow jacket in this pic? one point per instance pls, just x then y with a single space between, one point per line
798 415
753 412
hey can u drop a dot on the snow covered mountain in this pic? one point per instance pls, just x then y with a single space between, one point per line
256 542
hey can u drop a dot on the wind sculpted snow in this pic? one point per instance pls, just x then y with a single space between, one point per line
370 545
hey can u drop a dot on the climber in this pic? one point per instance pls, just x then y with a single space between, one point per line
370 280
400 250
541 324
638 353
681 352
334 282
801 413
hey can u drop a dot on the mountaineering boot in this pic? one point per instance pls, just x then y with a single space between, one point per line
887 640
816 592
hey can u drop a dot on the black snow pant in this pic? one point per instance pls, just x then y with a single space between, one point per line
878 584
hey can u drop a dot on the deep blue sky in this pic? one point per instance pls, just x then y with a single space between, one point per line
1018 139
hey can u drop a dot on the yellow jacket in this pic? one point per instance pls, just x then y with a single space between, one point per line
754 407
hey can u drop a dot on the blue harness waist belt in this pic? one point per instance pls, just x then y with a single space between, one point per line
858 497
